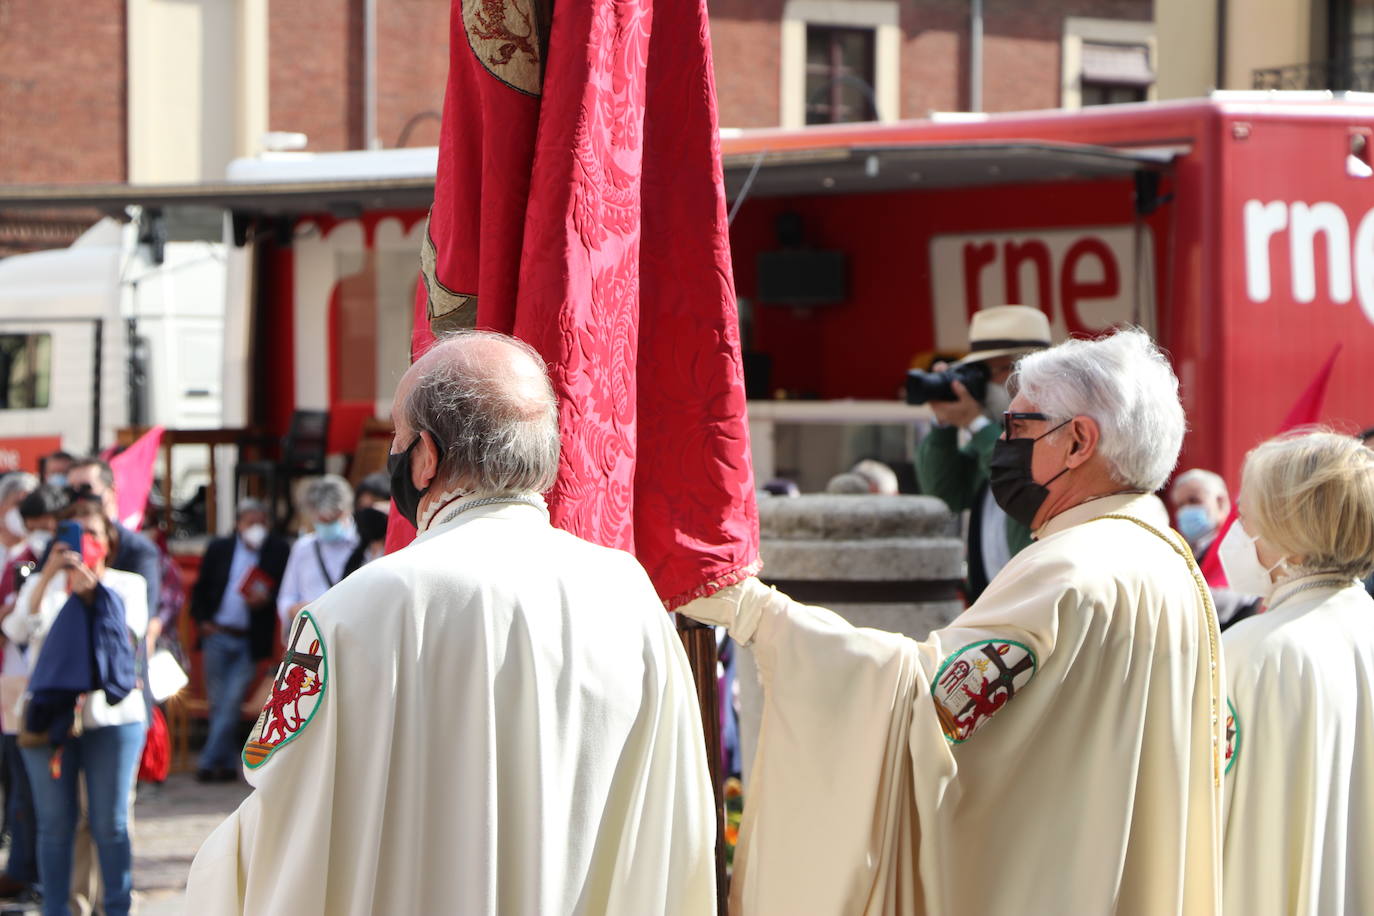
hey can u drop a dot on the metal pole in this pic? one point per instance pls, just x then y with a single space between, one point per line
700 642
975 56
97 359
370 139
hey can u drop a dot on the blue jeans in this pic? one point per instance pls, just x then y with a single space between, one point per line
23 862
229 670
109 758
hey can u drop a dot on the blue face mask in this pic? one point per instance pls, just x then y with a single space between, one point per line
1194 523
330 532
57 480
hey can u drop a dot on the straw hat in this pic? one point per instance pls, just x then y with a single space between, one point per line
1006 330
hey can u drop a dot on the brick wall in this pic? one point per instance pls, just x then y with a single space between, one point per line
62 92
314 51
746 45
1022 48
412 64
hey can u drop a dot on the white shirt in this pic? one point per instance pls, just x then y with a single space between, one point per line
303 580
23 627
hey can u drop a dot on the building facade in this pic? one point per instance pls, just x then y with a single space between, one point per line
1265 44
152 91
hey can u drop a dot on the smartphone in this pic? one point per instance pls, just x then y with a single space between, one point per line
69 533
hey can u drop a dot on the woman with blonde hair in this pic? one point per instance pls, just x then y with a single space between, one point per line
1299 794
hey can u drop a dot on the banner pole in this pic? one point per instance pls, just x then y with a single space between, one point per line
699 640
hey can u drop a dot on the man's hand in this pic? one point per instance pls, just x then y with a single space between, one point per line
154 631
958 413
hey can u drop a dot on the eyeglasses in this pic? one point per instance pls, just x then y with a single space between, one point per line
1010 417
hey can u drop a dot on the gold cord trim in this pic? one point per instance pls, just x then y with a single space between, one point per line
1210 614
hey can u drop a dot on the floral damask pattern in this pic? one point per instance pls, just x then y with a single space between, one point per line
612 185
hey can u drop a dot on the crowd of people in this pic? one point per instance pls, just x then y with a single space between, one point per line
504 693
84 603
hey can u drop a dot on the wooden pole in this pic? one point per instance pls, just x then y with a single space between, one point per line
700 642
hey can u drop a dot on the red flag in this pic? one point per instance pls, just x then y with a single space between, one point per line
579 205
133 474
1306 410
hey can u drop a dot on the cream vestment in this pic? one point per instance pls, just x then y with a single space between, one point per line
1300 778
497 719
1054 750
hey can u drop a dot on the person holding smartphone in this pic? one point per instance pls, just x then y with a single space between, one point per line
106 746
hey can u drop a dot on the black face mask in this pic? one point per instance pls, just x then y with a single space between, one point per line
1013 484
404 493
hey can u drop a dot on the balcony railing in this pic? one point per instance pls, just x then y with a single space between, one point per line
1355 74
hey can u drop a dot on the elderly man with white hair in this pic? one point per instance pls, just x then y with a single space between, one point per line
497 719
1055 749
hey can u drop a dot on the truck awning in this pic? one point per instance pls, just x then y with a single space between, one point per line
268 198
766 173
849 170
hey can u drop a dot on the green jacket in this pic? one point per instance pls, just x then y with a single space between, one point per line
958 475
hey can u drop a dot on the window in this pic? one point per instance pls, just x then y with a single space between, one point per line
25 371
1109 94
840 62
840 73
1114 73
1107 62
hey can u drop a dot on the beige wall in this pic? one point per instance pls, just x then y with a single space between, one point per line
197 86
1260 34
1187 55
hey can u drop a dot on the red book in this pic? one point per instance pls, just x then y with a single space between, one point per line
256 587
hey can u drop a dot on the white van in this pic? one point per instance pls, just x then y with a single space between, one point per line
104 335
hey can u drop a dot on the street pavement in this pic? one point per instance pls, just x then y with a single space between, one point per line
170 823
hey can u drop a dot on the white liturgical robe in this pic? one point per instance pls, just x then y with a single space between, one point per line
1300 779
1052 751
498 719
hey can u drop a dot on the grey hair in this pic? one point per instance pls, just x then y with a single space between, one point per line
19 483
251 505
1123 382
328 494
495 437
1211 479
848 483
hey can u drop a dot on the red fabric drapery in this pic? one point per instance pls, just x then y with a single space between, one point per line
579 205
1306 411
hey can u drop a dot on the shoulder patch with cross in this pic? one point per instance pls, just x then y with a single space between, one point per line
297 691
977 681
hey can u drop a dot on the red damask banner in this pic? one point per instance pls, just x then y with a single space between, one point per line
580 206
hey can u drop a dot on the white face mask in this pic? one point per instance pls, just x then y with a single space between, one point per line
253 536
996 402
1241 563
39 541
15 523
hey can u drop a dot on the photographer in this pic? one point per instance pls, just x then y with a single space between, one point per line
959 475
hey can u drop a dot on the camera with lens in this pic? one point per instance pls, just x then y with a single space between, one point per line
939 386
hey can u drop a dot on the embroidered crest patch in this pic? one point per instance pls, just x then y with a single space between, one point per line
976 682
1232 736
296 693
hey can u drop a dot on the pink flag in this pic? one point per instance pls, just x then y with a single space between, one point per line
1305 411
133 474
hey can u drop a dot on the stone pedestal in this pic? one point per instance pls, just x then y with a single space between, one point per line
889 562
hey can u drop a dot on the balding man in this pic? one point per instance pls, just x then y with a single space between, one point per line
497 719
1201 503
